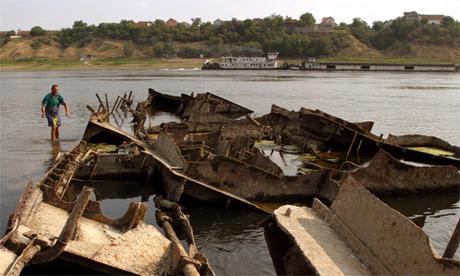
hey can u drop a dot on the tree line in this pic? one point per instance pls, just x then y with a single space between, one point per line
383 35
234 37
290 37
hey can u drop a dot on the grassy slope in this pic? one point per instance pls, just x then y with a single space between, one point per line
418 54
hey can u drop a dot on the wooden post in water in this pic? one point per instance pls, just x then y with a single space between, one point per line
100 101
107 103
115 104
351 146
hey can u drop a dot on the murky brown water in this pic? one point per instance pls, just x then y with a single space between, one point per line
425 103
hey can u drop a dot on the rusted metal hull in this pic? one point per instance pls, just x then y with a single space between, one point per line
211 170
357 235
219 161
124 245
168 165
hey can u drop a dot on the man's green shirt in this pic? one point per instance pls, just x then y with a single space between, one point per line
52 102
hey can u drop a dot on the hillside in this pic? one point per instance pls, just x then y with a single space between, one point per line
23 49
397 40
98 48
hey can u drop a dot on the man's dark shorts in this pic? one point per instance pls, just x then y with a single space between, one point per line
53 118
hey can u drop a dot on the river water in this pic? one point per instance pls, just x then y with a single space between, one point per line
400 103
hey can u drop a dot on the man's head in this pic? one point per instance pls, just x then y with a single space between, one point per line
54 89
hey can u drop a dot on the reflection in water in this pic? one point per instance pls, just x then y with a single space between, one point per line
55 149
158 117
428 204
117 207
232 240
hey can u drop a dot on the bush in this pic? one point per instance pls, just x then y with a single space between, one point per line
37 31
128 49
36 44
165 49
4 40
190 52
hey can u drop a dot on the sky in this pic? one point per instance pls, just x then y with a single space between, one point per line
57 14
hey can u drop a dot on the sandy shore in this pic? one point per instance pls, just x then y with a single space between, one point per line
106 64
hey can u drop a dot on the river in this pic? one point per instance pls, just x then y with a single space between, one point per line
400 103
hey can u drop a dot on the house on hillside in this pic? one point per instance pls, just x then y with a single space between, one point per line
412 16
10 34
327 22
144 24
432 18
171 23
217 22
292 25
429 18
22 33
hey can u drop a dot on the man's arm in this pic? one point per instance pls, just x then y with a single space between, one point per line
66 108
42 109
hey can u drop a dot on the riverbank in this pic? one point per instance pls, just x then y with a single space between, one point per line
45 64
37 64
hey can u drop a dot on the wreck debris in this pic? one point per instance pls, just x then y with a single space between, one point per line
68 231
387 175
427 142
193 262
347 239
171 174
453 242
44 223
186 105
214 154
211 149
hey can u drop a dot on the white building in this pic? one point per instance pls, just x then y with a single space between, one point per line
217 22
432 18
429 18
268 62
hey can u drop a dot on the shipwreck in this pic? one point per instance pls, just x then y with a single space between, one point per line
214 152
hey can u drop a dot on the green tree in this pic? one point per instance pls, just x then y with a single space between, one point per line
10 33
402 28
37 31
196 23
361 30
377 26
307 19
447 21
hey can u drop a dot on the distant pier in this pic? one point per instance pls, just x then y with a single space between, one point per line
311 64
344 66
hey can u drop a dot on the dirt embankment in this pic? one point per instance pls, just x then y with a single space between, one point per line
432 53
48 48
358 49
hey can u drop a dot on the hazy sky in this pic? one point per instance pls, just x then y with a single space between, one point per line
56 14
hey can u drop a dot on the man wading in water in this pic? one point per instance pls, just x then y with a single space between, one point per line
50 108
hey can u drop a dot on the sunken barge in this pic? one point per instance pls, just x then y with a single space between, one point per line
216 152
